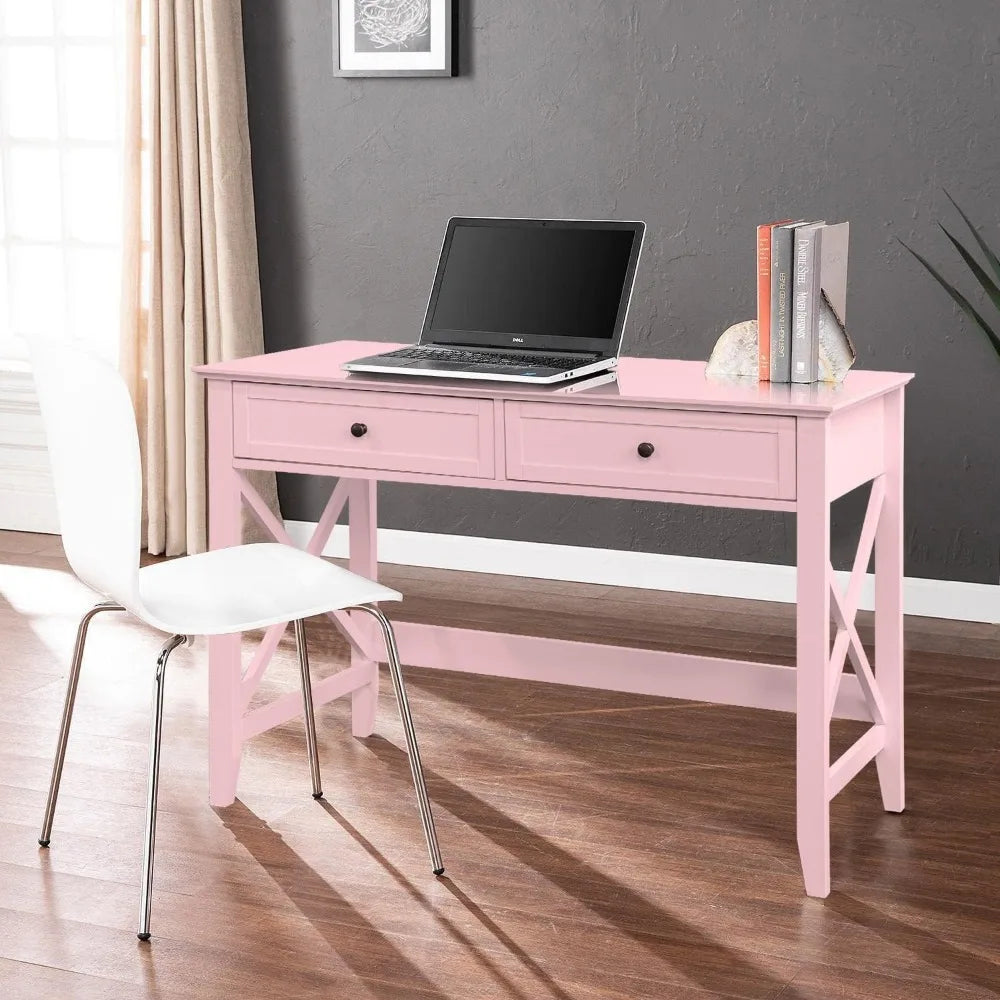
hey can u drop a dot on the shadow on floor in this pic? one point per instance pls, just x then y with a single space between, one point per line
483 960
315 898
971 968
700 958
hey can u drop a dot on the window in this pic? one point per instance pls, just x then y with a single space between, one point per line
61 114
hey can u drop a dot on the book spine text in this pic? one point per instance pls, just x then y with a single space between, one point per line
781 268
805 303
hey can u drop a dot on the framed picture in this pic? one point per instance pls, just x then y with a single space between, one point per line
393 37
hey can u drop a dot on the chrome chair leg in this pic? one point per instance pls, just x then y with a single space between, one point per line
146 889
67 716
307 701
416 768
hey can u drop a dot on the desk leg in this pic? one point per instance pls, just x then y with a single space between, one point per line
813 658
889 609
363 514
225 736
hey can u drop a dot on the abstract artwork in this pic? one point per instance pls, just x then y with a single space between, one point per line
393 37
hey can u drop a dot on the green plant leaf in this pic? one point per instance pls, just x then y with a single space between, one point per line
976 268
991 257
964 304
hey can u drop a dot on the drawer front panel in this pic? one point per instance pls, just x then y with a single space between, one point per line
716 454
403 432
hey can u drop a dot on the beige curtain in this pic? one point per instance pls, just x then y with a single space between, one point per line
191 291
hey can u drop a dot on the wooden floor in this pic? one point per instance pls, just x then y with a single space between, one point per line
597 845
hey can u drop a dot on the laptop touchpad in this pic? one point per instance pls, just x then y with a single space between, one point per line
434 366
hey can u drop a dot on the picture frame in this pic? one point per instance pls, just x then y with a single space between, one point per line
394 38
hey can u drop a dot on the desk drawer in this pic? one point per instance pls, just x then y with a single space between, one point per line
717 454
403 432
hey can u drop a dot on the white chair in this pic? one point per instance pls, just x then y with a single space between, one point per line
94 449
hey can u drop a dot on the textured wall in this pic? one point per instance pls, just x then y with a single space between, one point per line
702 117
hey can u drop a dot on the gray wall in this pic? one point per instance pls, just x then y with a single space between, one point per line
703 117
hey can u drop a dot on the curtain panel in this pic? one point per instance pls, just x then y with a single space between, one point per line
190 289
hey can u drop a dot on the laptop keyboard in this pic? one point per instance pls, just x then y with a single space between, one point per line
467 357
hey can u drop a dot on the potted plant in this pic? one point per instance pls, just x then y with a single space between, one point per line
989 280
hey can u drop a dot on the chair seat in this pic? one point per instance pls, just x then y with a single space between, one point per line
248 587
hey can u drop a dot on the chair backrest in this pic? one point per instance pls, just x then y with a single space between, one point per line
94 449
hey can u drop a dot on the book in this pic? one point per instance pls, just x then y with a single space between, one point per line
764 303
764 236
833 269
836 350
781 272
819 301
806 249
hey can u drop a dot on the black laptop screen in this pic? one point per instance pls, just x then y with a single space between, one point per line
532 281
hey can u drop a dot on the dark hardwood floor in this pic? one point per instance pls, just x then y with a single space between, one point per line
597 845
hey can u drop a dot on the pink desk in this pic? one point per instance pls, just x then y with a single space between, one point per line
790 448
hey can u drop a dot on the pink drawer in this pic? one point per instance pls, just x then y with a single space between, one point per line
401 432
717 454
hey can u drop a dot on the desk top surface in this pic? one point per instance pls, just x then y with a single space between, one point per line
653 382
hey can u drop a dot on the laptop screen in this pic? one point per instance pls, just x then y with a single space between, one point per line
504 282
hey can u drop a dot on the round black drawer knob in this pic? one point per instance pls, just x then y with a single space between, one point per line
645 449
359 430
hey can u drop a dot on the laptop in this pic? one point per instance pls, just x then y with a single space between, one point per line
522 300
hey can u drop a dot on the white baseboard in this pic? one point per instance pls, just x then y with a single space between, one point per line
976 602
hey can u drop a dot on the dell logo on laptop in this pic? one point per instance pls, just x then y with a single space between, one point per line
518 340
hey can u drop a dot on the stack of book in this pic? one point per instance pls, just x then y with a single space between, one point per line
801 282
